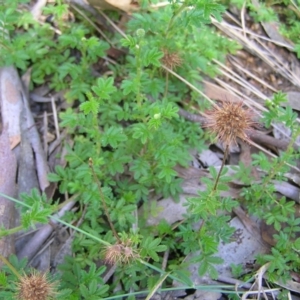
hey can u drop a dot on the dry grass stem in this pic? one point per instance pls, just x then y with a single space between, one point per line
257 48
245 71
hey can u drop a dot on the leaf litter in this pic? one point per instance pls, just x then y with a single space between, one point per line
264 65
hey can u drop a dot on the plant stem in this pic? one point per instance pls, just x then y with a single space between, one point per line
55 209
167 84
138 76
12 268
11 231
61 221
104 204
175 14
222 166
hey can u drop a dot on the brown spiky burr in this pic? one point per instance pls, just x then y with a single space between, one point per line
230 121
119 253
35 286
171 59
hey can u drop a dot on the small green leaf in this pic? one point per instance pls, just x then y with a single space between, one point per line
113 136
167 173
90 106
297 244
104 87
129 41
152 57
141 131
128 86
3 279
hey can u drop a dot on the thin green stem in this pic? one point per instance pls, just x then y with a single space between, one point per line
271 196
138 75
175 15
112 227
211 288
101 241
61 221
60 206
167 84
222 166
12 268
10 231
20 227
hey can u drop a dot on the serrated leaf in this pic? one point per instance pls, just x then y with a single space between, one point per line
113 136
90 106
104 87
84 291
153 255
54 177
215 260
297 244
93 286
203 268
128 86
213 172
152 57
167 173
170 111
140 167
213 273
161 248
154 243
141 131
129 41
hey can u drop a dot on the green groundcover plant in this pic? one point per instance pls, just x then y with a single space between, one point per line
128 137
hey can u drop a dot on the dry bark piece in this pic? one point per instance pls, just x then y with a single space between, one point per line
293 100
8 171
11 103
34 138
246 159
267 140
215 92
27 177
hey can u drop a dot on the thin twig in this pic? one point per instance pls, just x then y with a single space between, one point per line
55 117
